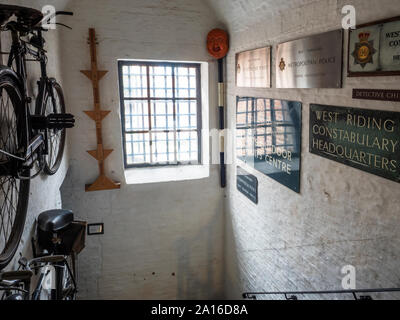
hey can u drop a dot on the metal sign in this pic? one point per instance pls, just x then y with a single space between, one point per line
253 68
377 94
374 49
247 184
269 138
313 62
368 140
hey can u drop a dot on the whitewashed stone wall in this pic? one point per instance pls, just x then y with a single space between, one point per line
342 216
161 241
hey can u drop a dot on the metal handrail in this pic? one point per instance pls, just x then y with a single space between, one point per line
292 295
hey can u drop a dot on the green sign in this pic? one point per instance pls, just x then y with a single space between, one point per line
368 140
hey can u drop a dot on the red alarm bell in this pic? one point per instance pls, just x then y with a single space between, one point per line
217 43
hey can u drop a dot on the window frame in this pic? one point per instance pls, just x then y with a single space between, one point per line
149 99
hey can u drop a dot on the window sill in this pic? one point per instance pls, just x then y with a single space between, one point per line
166 174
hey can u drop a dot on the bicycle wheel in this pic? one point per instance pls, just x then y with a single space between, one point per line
14 193
53 102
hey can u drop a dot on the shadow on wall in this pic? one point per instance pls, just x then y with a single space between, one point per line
190 283
162 249
232 288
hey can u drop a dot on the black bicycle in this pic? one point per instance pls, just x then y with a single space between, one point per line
58 241
29 143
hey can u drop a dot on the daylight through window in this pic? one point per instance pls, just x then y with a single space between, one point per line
161 113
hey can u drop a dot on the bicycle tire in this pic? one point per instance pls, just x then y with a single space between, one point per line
45 106
13 207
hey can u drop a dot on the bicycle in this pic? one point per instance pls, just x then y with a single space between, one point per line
15 285
56 280
59 240
29 143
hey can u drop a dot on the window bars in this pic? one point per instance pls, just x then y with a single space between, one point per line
161 113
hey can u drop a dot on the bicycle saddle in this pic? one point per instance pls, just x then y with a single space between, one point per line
26 16
55 220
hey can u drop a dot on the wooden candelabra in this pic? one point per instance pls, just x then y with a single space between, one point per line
100 154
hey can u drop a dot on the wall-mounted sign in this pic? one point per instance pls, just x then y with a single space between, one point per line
374 49
247 184
253 68
269 138
364 139
377 94
313 62
95 228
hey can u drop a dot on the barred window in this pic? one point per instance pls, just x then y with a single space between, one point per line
161 113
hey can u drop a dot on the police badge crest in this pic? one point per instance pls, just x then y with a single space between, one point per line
238 68
364 50
282 64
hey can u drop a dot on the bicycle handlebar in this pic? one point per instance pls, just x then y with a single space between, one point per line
57 13
65 13
44 259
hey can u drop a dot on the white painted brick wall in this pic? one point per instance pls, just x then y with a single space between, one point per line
343 215
174 230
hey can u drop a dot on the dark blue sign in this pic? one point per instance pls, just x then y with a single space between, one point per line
365 139
269 138
247 184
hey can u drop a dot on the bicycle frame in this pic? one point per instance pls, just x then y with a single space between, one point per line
31 141
48 265
35 140
20 280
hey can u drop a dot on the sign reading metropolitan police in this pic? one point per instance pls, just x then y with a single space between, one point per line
368 140
374 49
313 62
269 138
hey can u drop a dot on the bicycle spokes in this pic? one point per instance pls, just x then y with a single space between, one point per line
9 195
8 127
54 143
9 186
23 147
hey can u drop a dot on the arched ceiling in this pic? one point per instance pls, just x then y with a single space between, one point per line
238 15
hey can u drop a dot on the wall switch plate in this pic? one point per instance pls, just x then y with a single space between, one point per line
95 228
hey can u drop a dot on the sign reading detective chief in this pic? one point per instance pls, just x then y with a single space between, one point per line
377 94
365 139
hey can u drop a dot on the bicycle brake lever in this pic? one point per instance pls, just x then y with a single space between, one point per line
58 23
